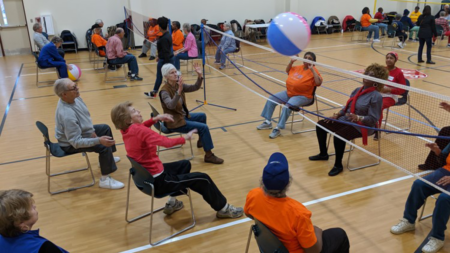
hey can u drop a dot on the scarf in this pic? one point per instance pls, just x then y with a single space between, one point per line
352 109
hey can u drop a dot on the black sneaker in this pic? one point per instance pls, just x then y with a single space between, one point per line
151 94
111 67
129 73
142 55
431 62
136 78
152 58
319 157
335 171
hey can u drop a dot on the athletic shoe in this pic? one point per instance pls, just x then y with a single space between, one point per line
264 126
136 78
400 45
376 40
217 62
420 61
152 58
129 73
319 157
222 67
142 55
402 227
335 171
231 212
213 159
275 133
151 94
368 40
116 159
433 245
431 62
110 183
170 209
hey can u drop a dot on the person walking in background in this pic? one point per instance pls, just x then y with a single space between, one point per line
426 32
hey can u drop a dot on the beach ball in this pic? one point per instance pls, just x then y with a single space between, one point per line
288 33
75 73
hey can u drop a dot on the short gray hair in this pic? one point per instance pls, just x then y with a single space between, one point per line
98 21
166 68
119 30
398 16
187 26
442 14
60 86
56 39
36 26
227 25
277 193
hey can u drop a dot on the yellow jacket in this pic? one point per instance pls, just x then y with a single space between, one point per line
414 16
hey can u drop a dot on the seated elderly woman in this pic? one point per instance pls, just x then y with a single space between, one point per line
49 57
173 101
140 143
189 51
18 214
227 45
300 85
40 40
99 41
363 108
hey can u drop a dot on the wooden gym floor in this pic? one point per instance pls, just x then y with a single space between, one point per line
366 203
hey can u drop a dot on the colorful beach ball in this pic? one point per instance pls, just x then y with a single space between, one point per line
288 33
75 73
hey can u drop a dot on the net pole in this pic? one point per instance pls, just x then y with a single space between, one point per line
203 62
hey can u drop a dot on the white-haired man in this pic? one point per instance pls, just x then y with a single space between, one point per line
76 133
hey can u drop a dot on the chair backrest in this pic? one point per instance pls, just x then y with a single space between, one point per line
141 177
358 25
36 57
266 240
54 148
238 46
391 31
199 48
404 98
158 125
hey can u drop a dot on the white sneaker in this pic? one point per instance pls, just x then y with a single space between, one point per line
400 45
433 245
368 40
402 227
116 159
110 183
376 40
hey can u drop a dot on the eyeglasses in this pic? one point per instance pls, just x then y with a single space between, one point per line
74 88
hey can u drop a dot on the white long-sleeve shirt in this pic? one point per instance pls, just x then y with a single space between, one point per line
40 40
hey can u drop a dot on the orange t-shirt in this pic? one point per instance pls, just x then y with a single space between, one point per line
98 41
153 33
447 163
301 82
177 40
287 218
365 20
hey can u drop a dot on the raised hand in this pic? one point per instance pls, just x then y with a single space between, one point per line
445 106
197 69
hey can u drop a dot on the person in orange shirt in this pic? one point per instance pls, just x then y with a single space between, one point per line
99 41
301 82
287 218
367 25
177 36
421 190
153 34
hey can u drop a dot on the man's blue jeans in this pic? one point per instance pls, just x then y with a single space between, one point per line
131 60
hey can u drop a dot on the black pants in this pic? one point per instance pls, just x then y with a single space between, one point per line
421 44
345 131
402 37
432 162
177 177
105 157
335 240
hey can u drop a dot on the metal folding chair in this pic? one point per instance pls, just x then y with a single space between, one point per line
144 181
123 78
360 35
266 240
39 70
55 150
405 99
421 217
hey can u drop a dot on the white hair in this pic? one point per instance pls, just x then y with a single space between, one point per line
98 21
61 85
166 68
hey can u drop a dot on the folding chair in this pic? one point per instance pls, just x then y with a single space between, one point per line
55 150
302 115
38 67
144 181
266 240
162 129
405 99
199 49
421 217
335 26
237 50
391 32
97 59
123 78
70 43
361 34
441 34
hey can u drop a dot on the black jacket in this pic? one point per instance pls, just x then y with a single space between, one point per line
427 26
164 47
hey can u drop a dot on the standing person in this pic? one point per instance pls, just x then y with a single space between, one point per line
141 142
227 45
400 32
18 215
381 16
190 50
415 14
205 33
426 32
177 36
300 85
76 133
49 57
444 24
287 218
116 55
165 54
367 25
153 34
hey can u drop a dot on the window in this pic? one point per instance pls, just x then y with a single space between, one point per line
2 9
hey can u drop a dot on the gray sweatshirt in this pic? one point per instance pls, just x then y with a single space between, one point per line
74 125
40 40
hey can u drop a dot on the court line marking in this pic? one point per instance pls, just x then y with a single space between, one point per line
8 106
234 223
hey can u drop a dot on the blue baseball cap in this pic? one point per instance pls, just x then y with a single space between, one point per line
276 173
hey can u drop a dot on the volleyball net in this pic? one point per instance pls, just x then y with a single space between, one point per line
403 136
138 23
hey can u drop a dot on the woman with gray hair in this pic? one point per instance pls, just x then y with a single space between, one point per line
173 101
227 45
190 50
49 57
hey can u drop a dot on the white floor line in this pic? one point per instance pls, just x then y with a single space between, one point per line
234 223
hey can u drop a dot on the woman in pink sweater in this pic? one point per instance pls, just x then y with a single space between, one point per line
141 143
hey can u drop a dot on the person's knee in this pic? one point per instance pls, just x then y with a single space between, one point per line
443 199
418 184
186 164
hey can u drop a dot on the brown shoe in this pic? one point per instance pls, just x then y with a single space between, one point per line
213 159
199 144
